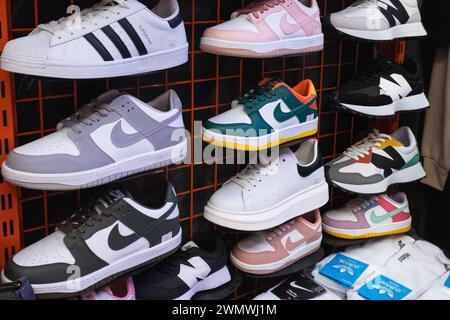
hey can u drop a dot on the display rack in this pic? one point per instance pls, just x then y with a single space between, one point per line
31 107
9 201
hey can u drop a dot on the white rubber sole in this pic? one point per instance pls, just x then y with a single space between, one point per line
265 49
278 265
99 176
154 61
292 207
412 103
401 31
410 174
262 142
126 263
385 229
215 280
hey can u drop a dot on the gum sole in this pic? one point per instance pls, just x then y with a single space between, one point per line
368 235
245 147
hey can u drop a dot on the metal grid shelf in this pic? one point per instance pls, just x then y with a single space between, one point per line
30 108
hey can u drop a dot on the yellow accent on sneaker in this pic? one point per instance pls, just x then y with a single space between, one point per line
246 147
368 235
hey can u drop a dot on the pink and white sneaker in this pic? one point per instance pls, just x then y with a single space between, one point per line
267 28
269 251
378 216
121 289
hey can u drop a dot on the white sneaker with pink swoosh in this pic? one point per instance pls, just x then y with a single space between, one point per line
272 250
267 28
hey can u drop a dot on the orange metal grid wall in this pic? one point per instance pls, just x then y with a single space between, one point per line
9 206
206 85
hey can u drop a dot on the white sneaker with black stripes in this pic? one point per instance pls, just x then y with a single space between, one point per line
379 20
111 39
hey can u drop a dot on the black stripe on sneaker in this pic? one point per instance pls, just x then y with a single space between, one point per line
126 25
102 51
175 22
115 39
390 12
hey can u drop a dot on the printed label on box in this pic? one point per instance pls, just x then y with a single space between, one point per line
383 288
299 287
344 270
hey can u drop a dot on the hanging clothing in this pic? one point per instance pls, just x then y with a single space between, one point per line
436 138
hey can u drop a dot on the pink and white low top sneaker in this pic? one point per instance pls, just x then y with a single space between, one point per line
267 28
269 251
122 289
378 216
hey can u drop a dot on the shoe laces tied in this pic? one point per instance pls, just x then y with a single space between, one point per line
82 113
251 175
251 99
366 203
280 230
84 218
373 71
96 116
87 16
362 148
258 7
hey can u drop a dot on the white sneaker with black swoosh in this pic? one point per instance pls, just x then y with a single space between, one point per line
111 39
117 139
121 231
266 195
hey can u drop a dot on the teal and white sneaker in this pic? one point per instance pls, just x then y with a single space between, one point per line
266 117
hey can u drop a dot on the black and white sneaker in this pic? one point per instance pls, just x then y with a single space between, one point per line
117 233
379 20
111 39
383 89
196 267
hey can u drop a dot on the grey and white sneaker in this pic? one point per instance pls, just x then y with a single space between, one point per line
116 140
119 232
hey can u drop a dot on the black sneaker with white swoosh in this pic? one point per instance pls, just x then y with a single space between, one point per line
383 89
119 232
198 266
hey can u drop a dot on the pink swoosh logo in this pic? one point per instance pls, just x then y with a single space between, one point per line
289 28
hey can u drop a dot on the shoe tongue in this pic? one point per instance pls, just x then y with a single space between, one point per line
271 83
111 197
189 245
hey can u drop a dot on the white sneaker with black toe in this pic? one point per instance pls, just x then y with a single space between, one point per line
264 196
111 39
379 20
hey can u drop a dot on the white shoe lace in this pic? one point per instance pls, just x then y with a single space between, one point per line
363 147
87 16
251 175
280 230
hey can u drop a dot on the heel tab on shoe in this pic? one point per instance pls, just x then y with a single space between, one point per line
175 101
171 195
